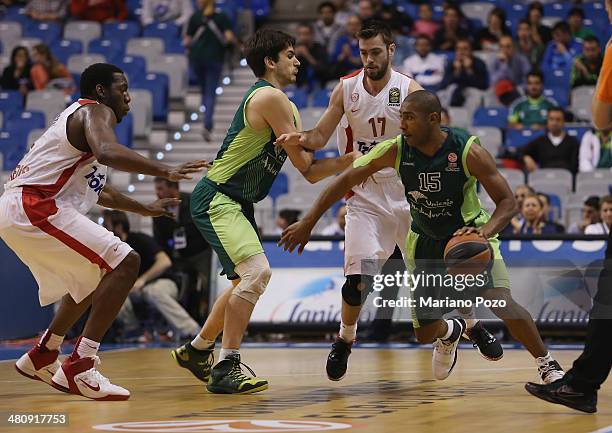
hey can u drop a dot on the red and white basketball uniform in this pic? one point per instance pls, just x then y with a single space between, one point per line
378 215
42 216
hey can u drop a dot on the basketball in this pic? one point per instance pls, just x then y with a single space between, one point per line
467 254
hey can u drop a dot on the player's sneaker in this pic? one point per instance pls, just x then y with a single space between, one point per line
337 359
227 378
550 372
199 362
562 392
39 363
79 376
444 355
486 343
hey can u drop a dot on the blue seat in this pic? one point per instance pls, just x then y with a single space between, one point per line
555 207
279 187
260 8
133 66
491 116
62 49
559 94
13 145
557 9
577 131
166 31
174 46
48 32
11 100
112 49
125 131
517 139
321 98
17 13
121 31
25 121
298 96
135 9
557 77
157 84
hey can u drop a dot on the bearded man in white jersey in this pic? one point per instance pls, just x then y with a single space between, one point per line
378 216
73 259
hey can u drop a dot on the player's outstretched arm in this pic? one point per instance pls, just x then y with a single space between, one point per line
298 234
113 199
481 165
317 138
326 167
98 124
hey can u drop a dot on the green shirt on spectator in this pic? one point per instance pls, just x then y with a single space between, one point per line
206 43
529 111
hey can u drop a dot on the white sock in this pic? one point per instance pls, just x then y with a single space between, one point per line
348 332
54 342
449 332
544 359
201 343
227 352
470 319
87 348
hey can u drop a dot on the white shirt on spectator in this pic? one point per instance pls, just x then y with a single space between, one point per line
590 151
597 229
156 11
427 71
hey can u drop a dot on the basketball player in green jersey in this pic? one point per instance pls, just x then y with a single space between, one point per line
439 168
222 207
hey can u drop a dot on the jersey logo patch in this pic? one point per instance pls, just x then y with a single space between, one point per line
394 95
452 157
355 97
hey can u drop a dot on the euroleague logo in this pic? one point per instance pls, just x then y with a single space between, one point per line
223 426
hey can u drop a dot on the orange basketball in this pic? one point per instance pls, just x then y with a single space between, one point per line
467 254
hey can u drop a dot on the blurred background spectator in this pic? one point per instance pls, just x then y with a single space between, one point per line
533 222
337 227
346 53
508 71
575 19
589 215
47 71
344 10
451 29
595 150
426 67
530 110
548 216
326 29
367 11
586 66
463 72
540 33
605 214
488 37
314 66
520 194
425 25
527 45
560 52
161 11
16 76
47 10
285 218
103 11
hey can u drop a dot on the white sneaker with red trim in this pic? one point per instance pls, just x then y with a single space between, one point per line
39 364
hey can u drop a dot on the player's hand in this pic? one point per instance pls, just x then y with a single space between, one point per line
297 234
138 284
291 139
355 154
160 208
469 230
182 172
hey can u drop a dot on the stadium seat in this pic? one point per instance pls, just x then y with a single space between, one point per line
557 9
491 116
490 138
260 8
559 94
478 11
298 96
17 14
48 32
10 31
11 100
310 117
174 46
34 135
121 31
12 147
581 102
50 102
24 121
514 177
577 131
84 31
149 48
460 117
321 98
551 181
279 187
133 66
112 49
5 60
64 48
594 183
78 63
166 31
142 111
125 130
176 67
29 43
157 84
516 139
557 78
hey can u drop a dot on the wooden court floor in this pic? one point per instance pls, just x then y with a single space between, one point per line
385 390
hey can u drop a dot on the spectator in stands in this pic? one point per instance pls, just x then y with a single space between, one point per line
547 218
533 222
154 284
161 11
285 218
206 40
182 241
314 63
425 25
326 29
575 19
366 10
346 55
344 10
508 71
399 22
465 71
16 76
595 150
426 67
47 10
530 110
540 33
47 71
488 37
528 46
560 52
337 227
555 149
103 11
605 213
586 67
520 194
590 215
452 28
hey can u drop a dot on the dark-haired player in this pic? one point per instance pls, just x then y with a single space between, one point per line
42 219
439 168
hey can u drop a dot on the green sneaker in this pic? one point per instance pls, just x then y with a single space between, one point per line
227 378
199 362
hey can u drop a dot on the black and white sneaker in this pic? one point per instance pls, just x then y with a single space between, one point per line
337 360
444 355
486 343
550 372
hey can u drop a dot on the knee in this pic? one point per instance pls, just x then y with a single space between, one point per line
356 288
129 267
255 274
